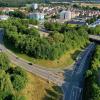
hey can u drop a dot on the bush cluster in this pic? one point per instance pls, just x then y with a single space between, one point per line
29 41
11 80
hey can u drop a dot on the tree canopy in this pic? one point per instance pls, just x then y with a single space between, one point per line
4 62
92 84
11 80
28 40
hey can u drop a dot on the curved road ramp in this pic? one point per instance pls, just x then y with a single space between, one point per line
50 75
72 81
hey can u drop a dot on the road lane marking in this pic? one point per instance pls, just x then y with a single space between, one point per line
75 93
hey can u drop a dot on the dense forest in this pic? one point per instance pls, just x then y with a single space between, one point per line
12 80
92 82
28 40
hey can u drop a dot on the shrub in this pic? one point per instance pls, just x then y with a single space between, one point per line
6 87
4 62
13 97
18 82
18 98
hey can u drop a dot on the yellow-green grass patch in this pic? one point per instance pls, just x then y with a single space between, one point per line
37 88
64 62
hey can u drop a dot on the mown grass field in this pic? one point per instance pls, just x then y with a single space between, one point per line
91 4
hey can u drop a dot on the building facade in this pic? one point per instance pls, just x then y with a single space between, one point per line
34 6
37 16
65 15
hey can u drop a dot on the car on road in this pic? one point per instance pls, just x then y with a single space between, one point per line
0 50
17 58
30 63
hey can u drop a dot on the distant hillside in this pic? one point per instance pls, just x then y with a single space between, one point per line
23 2
75 0
17 2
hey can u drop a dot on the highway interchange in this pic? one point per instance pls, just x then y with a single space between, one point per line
72 82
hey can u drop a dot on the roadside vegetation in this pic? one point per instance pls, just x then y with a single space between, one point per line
40 89
17 84
94 30
56 50
12 80
28 43
64 62
92 81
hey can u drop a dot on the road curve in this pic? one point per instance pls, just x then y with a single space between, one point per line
43 73
72 88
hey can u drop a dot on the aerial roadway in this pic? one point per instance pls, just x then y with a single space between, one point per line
51 76
73 86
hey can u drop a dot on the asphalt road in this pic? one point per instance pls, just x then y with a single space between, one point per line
74 87
49 75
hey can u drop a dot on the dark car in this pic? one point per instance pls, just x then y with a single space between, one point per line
30 63
0 50
17 58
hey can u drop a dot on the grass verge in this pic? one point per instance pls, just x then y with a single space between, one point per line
64 62
40 89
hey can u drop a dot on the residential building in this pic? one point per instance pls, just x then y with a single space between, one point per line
34 6
37 16
65 15
4 17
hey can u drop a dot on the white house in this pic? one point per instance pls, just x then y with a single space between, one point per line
34 6
4 17
37 16
65 15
